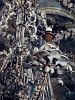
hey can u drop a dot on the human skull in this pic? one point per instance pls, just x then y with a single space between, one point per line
54 54
63 61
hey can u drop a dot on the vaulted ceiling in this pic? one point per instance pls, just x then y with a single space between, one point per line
56 12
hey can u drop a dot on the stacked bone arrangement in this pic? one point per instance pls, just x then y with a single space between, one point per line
31 58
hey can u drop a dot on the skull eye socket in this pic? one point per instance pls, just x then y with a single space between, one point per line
47 60
54 60
32 18
59 65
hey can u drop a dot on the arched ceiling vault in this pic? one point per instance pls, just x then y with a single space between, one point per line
60 15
